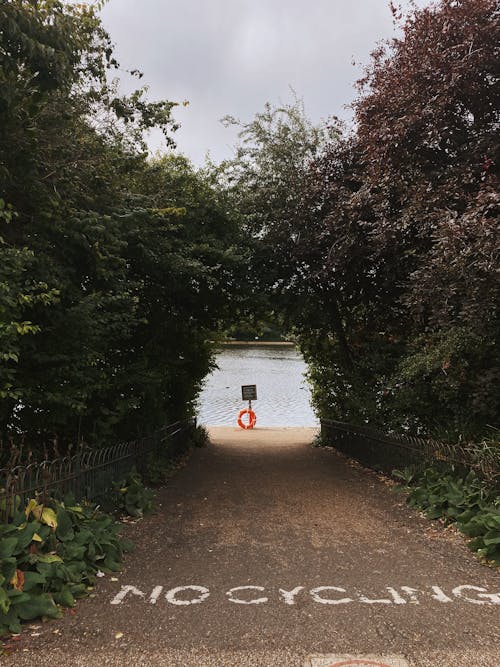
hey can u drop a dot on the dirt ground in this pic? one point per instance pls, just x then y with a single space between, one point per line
264 550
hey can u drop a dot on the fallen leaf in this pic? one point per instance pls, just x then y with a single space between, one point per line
119 635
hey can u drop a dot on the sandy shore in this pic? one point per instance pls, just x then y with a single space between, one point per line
275 436
257 343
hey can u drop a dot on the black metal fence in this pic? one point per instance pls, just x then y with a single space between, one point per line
89 474
386 453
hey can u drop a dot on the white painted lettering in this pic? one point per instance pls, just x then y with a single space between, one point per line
171 595
396 597
365 600
412 593
315 592
155 594
289 596
331 595
237 600
491 598
119 597
440 595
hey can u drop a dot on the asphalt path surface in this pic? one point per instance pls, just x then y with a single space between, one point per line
265 550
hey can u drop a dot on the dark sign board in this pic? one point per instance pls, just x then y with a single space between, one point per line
249 392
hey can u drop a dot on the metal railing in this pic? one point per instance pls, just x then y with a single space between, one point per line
386 453
89 474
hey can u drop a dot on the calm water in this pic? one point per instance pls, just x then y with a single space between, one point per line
282 391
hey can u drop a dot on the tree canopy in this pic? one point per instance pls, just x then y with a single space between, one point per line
115 270
383 241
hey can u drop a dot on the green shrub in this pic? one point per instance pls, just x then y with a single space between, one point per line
465 501
132 497
49 556
199 437
484 528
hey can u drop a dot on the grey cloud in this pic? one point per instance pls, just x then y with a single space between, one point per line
231 56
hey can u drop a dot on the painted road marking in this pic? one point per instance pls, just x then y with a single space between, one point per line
325 595
355 661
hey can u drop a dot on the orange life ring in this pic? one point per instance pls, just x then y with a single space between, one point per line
252 418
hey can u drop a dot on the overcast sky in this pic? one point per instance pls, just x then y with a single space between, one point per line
231 56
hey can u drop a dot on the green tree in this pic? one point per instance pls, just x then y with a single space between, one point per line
17 290
117 266
382 244
266 183
410 216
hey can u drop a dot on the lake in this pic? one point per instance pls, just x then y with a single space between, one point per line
284 398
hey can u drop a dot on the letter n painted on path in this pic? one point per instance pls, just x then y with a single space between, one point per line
119 597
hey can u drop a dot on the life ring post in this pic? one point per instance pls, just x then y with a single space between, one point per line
249 393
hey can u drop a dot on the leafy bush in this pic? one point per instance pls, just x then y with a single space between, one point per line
132 496
465 501
49 556
484 528
159 469
199 437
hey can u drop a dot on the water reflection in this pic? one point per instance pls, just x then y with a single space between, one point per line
283 394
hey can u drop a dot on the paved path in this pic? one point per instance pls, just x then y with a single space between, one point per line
266 550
